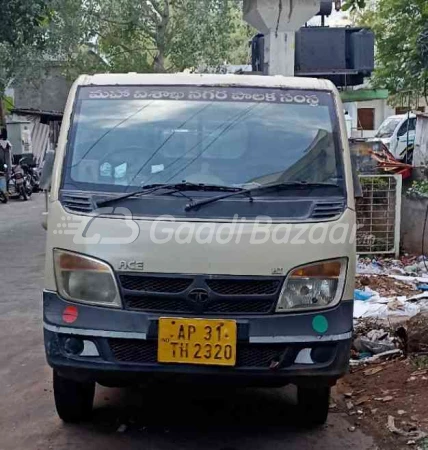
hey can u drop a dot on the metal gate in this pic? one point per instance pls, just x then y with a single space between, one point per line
379 214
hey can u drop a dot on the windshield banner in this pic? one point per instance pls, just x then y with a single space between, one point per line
264 95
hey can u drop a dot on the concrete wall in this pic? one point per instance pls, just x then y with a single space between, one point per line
381 111
48 95
412 223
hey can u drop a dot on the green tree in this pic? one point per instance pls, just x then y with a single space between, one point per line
148 36
22 39
23 21
353 5
401 55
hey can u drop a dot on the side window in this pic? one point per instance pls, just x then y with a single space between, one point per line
403 129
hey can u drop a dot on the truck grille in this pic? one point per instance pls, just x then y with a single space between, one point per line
145 352
157 304
243 287
155 284
221 294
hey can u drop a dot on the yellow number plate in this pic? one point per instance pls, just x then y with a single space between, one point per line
197 341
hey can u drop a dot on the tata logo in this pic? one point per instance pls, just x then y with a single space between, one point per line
198 295
136 266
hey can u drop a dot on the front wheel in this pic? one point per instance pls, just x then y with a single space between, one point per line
314 404
73 400
4 197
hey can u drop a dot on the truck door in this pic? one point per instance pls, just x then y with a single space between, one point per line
405 136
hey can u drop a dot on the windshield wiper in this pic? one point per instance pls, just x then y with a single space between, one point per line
173 187
261 188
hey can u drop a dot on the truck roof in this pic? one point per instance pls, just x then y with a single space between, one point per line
402 116
125 79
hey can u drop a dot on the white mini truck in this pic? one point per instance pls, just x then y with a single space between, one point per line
200 227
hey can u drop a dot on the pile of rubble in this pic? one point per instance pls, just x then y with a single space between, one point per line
387 288
385 390
391 297
406 265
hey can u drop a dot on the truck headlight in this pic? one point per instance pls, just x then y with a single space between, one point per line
86 280
313 286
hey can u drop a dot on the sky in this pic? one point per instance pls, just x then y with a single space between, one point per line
337 19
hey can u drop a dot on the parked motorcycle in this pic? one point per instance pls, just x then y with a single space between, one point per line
33 176
4 197
21 182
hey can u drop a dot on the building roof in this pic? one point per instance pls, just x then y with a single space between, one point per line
205 80
47 115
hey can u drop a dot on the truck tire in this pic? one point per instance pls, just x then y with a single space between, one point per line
73 400
313 404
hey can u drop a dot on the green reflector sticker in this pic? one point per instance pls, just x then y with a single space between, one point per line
320 324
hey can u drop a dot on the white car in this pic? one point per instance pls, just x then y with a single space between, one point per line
397 132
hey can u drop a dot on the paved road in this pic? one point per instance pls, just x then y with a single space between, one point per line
155 419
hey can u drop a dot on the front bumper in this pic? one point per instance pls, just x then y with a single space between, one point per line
271 349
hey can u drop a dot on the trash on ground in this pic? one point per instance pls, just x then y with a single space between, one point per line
362 295
415 435
373 371
378 358
362 400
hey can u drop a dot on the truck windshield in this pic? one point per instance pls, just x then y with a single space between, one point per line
386 130
128 137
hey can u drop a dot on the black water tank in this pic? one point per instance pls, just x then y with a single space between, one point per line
343 55
361 45
320 48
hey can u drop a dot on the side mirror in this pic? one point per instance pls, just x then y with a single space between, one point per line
46 175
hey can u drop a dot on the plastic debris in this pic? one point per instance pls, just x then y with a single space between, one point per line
122 428
415 435
382 308
362 295
377 358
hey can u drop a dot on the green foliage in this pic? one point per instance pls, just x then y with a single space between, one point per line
376 182
400 63
8 104
418 189
150 36
22 40
353 5
23 21
419 362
